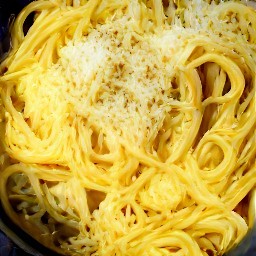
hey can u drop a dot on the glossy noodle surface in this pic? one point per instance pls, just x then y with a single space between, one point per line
128 127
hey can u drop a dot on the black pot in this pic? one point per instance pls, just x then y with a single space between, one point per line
15 242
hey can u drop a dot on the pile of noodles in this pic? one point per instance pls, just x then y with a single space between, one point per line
128 127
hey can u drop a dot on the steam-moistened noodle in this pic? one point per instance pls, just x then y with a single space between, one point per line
128 127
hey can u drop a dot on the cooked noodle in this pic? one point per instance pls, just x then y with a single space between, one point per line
128 127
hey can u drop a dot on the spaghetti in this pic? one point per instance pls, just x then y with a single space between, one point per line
128 127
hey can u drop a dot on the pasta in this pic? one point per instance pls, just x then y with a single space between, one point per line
128 127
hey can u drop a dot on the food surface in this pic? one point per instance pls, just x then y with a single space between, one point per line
128 127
